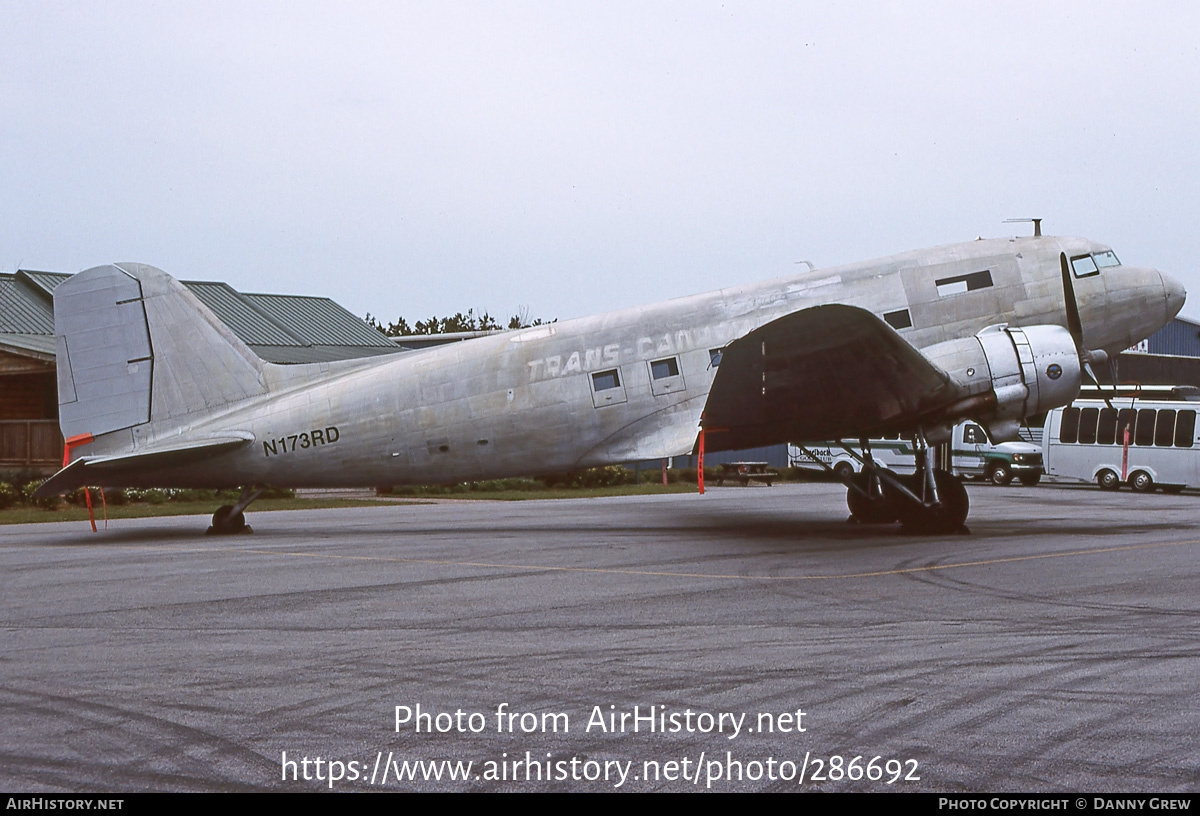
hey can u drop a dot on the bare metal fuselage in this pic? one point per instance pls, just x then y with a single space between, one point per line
526 402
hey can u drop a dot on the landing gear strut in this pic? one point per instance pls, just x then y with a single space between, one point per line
230 519
930 502
869 498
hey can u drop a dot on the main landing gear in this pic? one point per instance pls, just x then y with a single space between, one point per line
230 519
929 502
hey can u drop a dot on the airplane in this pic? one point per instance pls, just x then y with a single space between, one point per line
154 391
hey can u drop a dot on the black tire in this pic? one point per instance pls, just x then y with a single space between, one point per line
843 470
1000 474
1030 479
1108 480
877 510
948 518
1142 482
225 521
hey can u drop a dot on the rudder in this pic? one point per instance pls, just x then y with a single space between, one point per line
135 346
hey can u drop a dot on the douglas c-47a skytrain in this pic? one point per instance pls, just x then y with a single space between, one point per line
154 391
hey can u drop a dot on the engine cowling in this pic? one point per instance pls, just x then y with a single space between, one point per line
1010 373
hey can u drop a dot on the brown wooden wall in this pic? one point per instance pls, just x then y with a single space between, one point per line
35 443
29 435
29 396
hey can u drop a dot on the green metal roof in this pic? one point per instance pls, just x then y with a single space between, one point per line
42 282
22 311
236 312
38 346
279 328
320 321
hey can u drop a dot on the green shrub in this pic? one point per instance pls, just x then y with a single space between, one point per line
46 503
9 495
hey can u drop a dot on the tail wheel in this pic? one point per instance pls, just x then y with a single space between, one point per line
1141 482
1108 480
225 521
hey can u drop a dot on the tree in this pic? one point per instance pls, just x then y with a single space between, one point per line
468 322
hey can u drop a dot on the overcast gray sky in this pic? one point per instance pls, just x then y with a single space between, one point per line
419 158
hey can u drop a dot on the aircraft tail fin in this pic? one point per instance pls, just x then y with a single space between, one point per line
135 346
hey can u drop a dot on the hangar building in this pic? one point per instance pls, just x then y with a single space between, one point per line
279 328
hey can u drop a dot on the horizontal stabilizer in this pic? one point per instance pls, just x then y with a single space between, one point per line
92 470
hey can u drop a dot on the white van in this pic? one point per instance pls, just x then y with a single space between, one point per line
974 457
1145 443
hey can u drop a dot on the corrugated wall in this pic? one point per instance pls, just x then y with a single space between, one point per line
1179 337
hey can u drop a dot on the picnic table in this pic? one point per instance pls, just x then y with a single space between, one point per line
746 472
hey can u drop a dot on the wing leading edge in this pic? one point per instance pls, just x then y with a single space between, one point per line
821 373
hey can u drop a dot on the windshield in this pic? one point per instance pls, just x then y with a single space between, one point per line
1083 266
1086 265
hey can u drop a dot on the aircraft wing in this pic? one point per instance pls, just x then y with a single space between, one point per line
822 373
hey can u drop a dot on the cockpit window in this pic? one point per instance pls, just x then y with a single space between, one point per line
1084 266
1106 259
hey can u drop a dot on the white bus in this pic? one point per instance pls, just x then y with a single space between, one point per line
1146 441
974 457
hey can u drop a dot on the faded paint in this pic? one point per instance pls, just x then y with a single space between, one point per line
524 403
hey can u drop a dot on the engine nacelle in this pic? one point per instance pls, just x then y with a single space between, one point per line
1010 373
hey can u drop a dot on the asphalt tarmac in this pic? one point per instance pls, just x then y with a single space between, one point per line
1054 649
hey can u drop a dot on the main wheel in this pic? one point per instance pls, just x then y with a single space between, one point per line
1000 474
873 510
226 522
1030 479
1108 480
1141 482
947 517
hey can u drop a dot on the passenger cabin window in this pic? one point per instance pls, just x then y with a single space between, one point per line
604 380
607 388
661 369
899 319
665 377
964 283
